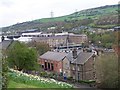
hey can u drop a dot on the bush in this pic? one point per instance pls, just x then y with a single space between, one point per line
87 81
51 75
4 74
70 78
43 74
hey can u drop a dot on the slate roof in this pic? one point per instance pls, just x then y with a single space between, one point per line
57 56
5 44
83 57
70 56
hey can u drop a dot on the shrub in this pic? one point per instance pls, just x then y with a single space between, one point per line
4 74
70 78
43 74
86 81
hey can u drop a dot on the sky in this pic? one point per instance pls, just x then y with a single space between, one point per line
17 11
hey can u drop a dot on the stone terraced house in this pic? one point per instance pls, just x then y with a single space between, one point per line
79 68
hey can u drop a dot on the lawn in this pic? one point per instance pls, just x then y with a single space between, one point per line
17 79
13 84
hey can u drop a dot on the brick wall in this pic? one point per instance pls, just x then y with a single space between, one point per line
57 64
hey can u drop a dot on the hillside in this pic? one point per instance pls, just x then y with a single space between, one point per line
104 16
18 79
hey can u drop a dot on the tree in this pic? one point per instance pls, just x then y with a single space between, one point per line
21 57
107 39
3 73
40 47
107 70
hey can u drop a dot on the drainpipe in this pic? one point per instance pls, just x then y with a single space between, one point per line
82 72
76 71
62 67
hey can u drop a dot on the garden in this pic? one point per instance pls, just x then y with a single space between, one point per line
18 79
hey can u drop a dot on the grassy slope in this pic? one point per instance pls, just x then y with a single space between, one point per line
13 84
17 80
89 13
62 18
94 14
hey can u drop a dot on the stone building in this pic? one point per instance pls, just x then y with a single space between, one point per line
78 39
82 68
53 41
62 40
79 68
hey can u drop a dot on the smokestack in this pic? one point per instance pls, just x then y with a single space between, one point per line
74 52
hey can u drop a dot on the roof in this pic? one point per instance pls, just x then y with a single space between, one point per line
57 56
70 55
83 57
32 33
79 35
5 44
50 37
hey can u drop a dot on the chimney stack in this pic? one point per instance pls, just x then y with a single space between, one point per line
74 52
2 38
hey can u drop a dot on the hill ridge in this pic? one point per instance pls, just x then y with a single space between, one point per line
92 13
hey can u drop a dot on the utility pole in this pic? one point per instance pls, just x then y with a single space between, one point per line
52 14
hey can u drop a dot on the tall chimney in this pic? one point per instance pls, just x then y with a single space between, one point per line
74 52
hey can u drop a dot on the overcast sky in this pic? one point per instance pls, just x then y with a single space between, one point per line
17 11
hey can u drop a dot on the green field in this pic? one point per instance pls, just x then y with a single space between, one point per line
93 13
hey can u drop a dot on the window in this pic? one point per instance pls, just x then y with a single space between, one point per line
49 66
42 66
52 66
45 65
78 68
73 68
66 66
